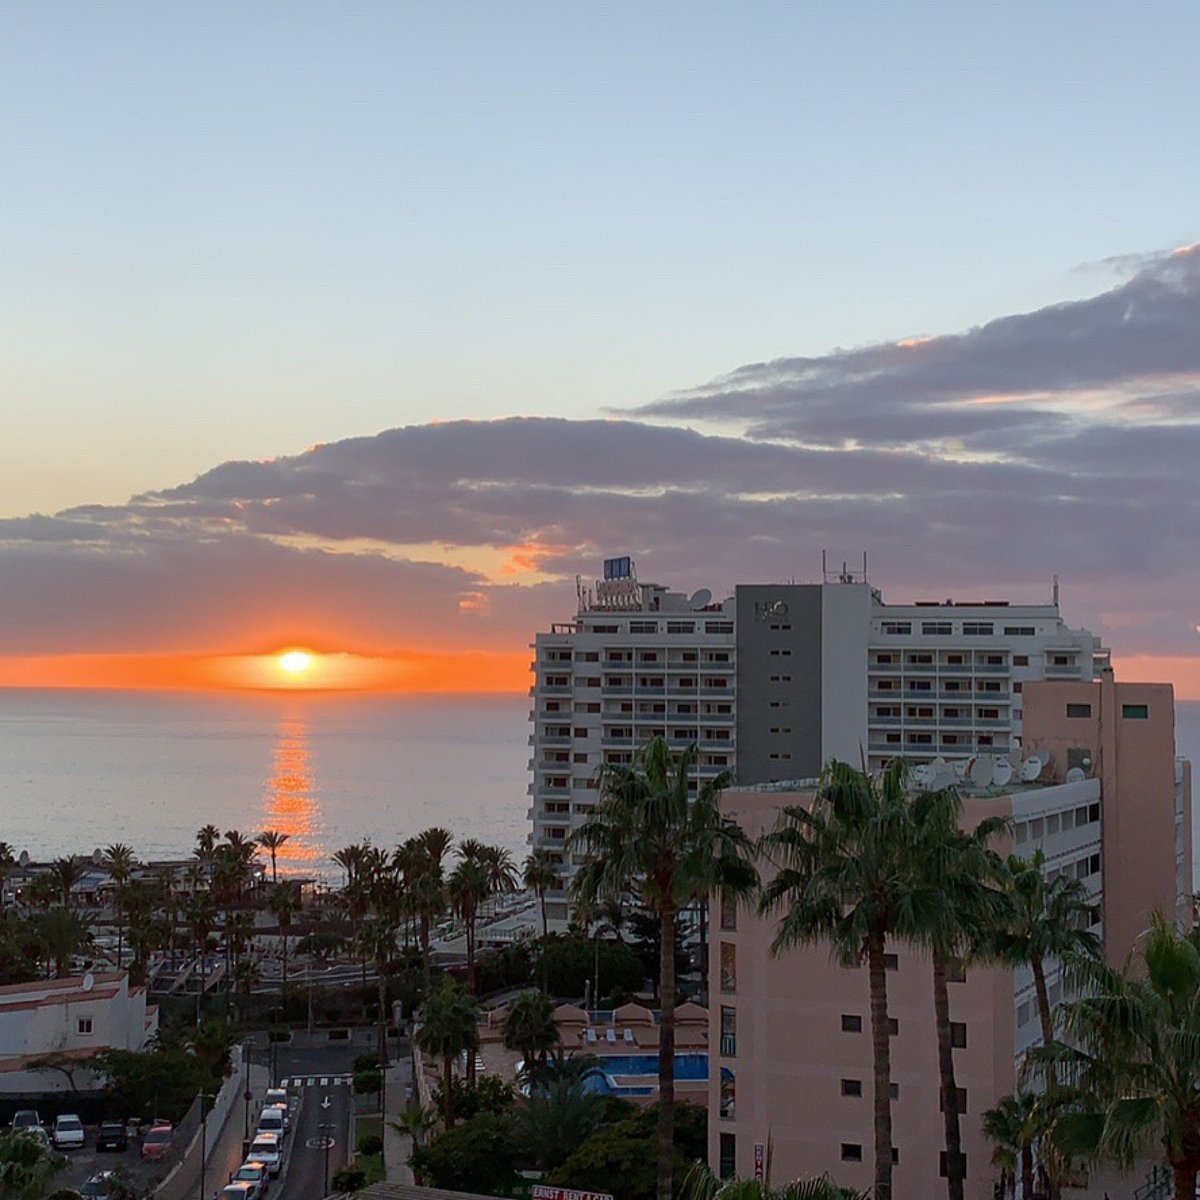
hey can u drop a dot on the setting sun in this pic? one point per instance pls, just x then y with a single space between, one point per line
295 662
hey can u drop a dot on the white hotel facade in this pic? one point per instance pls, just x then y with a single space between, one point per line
775 680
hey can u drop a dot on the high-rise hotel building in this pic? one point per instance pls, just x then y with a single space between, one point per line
775 680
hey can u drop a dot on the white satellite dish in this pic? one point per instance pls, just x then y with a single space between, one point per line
700 599
1002 772
982 771
97 856
1031 768
960 767
1075 775
89 982
922 775
23 858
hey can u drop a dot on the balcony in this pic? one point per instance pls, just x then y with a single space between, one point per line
1060 671
551 740
553 689
993 669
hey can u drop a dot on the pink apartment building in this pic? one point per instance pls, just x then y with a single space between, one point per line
790 1053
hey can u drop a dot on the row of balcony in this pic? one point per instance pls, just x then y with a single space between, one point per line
939 668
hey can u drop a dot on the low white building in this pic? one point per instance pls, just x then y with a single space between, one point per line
73 1018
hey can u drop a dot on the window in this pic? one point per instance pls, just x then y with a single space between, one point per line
895 1152
851 1023
851 1152
1020 660
958 1035
728 967
728 1031
899 628
728 1109
1079 710
936 628
1135 712
956 972
643 626
1094 865
852 1087
891 962
1093 813
729 906
893 1091
681 627
894 1026
718 626
977 629
727 1164
1019 631
83 1025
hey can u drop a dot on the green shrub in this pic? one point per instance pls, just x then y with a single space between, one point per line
479 1156
369 1143
366 1062
366 1083
348 1179
568 962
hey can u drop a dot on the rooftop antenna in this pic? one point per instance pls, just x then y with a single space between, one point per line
1056 591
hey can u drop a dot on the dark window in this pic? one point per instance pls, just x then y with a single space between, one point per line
895 1155
1094 865
728 1031
1020 660
851 1152
852 1087
581 758
1079 710
728 1156
893 1091
891 962
851 1023
958 1035
955 971
894 1026
1093 812
1135 712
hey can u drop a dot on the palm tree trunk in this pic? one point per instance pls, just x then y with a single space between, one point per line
471 954
545 922
447 1095
1043 998
941 1009
381 983
427 965
284 982
666 1054
882 1051
702 910
1027 1170
1185 1180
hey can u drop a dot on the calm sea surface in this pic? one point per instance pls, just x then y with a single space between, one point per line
84 769
80 770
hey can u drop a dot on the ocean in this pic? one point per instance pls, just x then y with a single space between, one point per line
81 770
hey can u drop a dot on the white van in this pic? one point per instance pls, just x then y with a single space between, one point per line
266 1150
237 1191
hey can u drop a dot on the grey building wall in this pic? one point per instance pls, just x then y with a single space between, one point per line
779 681
845 638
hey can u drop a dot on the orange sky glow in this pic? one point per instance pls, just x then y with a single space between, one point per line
284 670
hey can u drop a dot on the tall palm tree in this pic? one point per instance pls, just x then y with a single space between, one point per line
469 886
377 936
118 858
845 878
1012 1128
284 902
436 843
648 833
62 933
349 858
1132 1057
529 1027
967 877
272 840
540 874
1047 920
206 842
448 1027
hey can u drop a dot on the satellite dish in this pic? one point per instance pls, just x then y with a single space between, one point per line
23 858
97 856
89 982
1002 772
922 775
1075 775
1031 768
700 599
982 771
960 766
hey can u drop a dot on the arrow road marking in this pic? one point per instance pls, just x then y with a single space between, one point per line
325 1102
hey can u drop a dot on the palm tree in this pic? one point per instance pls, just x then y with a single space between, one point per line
556 1119
8 860
1046 920
27 1164
284 901
206 842
958 868
529 1027
1132 1057
845 878
271 840
62 933
200 915
448 1027
702 1184
436 843
378 939
469 887
66 873
502 874
349 858
647 833
540 874
1012 1128
118 858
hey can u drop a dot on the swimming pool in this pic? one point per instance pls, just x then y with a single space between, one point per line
688 1068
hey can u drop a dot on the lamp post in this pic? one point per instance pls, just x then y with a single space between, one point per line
326 1129
203 1140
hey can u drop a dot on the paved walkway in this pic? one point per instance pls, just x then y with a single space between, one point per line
224 1149
397 1146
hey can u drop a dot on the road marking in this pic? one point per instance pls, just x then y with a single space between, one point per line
320 1143
325 1102
325 1082
310 1082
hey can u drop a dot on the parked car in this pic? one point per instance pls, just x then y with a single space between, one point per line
156 1143
273 1120
237 1191
68 1132
112 1136
26 1118
278 1098
99 1186
266 1149
253 1172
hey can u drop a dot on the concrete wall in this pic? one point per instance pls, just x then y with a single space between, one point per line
845 636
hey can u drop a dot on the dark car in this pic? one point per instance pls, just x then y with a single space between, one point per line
112 1136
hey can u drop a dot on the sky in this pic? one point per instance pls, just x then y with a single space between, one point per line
366 327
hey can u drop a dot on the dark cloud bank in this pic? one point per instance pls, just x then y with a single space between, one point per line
1061 441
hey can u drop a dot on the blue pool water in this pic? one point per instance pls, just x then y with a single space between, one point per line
688 1067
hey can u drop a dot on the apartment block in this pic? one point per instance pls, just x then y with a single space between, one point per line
791 1075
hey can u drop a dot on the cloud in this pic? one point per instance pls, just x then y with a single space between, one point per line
1057 442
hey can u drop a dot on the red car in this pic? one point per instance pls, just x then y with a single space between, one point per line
156 1143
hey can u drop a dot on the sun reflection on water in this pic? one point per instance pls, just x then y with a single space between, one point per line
290 800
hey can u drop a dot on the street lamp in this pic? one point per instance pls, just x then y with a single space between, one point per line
326 1129
203 1138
